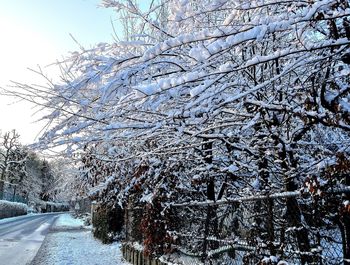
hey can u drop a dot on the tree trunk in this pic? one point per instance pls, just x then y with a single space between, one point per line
14 193
2 184
293 215
211 223
294 220
344 225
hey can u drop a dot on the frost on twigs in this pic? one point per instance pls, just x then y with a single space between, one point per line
209 101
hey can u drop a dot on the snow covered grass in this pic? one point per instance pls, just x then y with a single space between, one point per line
11 209
74 246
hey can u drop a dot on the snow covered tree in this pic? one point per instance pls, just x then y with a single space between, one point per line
11 159
208 100
65 185
234 89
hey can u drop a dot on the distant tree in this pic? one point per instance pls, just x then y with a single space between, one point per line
65 185
48 181
10 157
35 178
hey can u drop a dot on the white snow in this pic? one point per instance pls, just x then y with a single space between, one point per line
232 168
17 205
10 209
11 219
147 198
21 237
76 246
256 184
66 220
199 53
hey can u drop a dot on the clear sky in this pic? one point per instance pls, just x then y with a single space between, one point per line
36 32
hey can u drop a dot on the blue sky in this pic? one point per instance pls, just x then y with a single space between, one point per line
55 19
36 32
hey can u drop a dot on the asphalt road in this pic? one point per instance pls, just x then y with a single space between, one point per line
21 238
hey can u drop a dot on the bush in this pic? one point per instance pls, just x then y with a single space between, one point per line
107 222
12 209
154 225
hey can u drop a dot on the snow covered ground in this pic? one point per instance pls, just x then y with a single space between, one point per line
67 221
70 243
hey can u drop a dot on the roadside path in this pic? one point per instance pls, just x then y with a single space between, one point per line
69 242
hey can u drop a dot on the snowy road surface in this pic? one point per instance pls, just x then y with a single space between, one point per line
21 237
